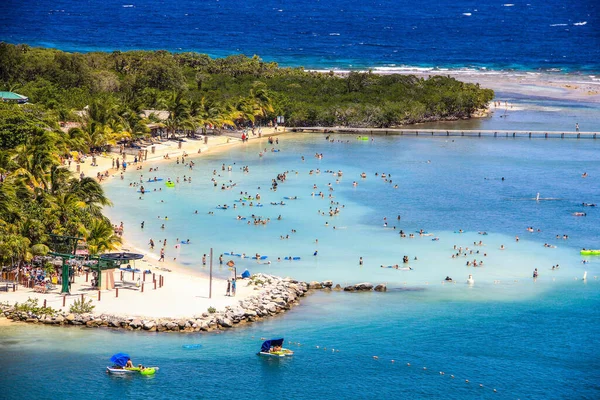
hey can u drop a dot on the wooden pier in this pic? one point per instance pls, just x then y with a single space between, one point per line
451 132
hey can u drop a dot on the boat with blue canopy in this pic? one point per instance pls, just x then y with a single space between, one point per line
120 367
273 348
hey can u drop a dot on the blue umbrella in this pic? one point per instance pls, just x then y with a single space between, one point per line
120 359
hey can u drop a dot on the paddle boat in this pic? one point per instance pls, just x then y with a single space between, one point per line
116 370
590 252
272 348
120 367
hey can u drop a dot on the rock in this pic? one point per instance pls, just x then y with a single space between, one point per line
350 288
381 288
225 322
70 317
60 319
250 313
363 287
280 302
135 324
271 307
148 325
327 284
315 285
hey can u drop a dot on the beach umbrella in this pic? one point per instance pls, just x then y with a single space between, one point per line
120 359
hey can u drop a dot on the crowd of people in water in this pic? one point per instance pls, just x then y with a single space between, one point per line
473 257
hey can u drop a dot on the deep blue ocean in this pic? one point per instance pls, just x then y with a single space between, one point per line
539 34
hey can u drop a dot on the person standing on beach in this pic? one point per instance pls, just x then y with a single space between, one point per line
162 255
228 293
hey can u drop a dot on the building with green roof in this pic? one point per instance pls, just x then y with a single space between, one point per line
13 97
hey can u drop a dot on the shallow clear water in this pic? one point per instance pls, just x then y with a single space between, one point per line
444 186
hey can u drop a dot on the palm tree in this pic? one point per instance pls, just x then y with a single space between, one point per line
100 237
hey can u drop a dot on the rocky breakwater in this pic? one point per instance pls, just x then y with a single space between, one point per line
274 295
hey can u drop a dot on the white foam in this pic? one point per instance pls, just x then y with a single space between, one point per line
508 5
334 34
559 24
127 5
467 14
580 23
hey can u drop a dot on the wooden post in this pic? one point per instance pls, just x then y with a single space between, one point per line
133 272
495 134
121 275
210 275
81 298
116 292
529 135
562 135
44 303
64 299
142 287
155 284
99 295
86 275
154 277
546 135
144 276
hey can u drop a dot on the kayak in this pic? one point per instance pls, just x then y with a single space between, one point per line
130 371
590 252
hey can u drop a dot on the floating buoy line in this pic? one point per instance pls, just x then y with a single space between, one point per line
388 361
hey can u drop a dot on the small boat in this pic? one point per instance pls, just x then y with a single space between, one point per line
120 360
273 348
115 369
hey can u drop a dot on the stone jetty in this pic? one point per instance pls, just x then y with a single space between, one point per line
276 295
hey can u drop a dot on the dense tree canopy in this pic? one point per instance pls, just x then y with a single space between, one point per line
234 90
38 196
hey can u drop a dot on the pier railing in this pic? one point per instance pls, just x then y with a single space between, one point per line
451 132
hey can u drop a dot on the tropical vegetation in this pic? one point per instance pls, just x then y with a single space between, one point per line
197 90
38 195
103 98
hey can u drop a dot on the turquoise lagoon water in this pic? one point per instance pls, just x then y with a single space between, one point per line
444 186
524 338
